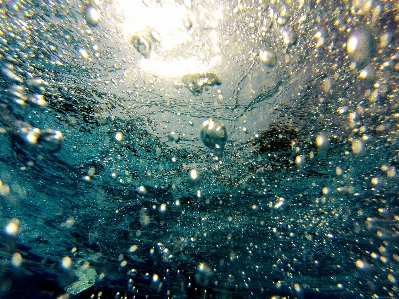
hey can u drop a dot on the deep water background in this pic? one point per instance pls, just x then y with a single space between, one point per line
276 214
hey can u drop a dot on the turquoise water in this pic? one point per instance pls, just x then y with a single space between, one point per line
198 149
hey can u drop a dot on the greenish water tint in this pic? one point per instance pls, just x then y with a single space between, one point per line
199 149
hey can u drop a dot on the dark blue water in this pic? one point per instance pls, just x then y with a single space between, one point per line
195 149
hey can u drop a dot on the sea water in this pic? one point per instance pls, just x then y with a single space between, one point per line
199 149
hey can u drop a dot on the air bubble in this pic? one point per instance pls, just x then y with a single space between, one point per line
66 262
32 136
203 275
188 4
194 175
10 75
142 45
368 74
12 227
187 23
214 135
156 36
357 146
196 82
173 137
321 141
92 15
142 190
320 38
289 36
280 203
51 140
268 57
119 136
360 46
38 100
300 160
16 259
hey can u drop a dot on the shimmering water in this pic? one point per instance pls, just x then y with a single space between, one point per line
199 149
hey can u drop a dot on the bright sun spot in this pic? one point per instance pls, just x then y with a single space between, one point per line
175 51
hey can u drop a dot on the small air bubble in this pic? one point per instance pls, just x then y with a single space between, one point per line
16 259
173 137
66 262
92 15
194 175
268 57
12 227
357 146
119 136
321 140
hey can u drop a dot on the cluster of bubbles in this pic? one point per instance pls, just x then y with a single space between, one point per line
278 180
23 92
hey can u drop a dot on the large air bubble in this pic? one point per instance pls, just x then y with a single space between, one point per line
214 135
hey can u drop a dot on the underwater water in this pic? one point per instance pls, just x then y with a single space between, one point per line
199 149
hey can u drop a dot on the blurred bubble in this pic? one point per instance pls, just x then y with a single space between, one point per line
203 275
32 136
142 45
268 57
196 82
66 262
321 141
119 136
391 172
38 100
69 222
4 188
360 46
91 171
51 140
162 208
16 259
300 160
368 74
18 92
155 35
92 14
289 36
194 175
12 227
144 217
281 20
9 74
214 135
142 190
325 191
320 38
155 278
133 248
173 137
279 203
360 264
357 146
